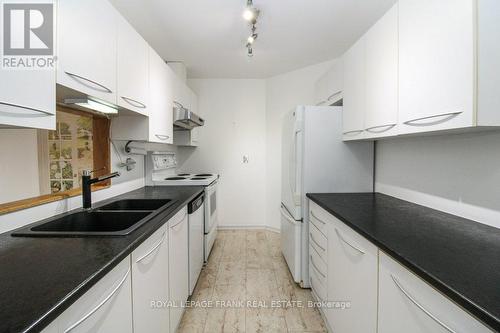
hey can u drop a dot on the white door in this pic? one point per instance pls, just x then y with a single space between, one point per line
87 47
354 91
161 103
178 266
291 247
106 307
408 304
291 162
132 69
196 234
381 117
436 64
150 283
352 276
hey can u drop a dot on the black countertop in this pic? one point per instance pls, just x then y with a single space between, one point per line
41 277
459 257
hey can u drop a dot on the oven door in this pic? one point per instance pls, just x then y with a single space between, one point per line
211 207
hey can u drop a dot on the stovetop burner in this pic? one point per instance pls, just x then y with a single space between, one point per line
175 178
203 175
184 174
198 178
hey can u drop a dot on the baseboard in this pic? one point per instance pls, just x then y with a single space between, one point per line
247 227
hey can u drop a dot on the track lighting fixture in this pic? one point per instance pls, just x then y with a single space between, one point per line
251 14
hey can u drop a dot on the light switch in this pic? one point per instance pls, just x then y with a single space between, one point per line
245 158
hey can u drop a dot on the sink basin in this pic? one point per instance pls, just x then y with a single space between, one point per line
88 224
136 204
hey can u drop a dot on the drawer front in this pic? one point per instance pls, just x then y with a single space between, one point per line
408 304
319 217
316 286
318 242
318 266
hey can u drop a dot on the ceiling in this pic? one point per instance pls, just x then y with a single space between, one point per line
209 36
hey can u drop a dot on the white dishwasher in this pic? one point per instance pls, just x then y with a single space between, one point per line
196 220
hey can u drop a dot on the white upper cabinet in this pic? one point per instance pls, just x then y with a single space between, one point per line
381 115
106 307
150 282
408 304
132 69
158 125
328 89
161 80
354 91
436 64
28 98
87 34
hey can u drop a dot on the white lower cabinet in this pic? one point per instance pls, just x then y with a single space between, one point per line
106 307
178 266
408 304
352 277
150 283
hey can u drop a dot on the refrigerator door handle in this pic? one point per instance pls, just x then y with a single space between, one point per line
293 175
287 216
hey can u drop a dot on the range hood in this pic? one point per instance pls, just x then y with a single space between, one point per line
185 119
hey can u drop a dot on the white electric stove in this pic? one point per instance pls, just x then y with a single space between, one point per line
161 169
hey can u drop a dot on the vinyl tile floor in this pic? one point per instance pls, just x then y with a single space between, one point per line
246 287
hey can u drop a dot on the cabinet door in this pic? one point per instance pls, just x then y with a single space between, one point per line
436 64
161 89
408 304
335 82
87 47
150 283
178 265
354 91
352 276
194 108
381 117
132 69
106 307
28 98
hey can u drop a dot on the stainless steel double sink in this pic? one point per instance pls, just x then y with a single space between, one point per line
118 218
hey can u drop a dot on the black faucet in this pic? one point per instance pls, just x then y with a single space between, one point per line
87 182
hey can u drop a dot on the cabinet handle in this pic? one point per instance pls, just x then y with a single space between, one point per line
91 312
97 86
447 116
287 216
352 133
334 94
162 137
153 249
316 218
351 245
180 221
38 112
384 128
424 310
316 268
134 103
315 242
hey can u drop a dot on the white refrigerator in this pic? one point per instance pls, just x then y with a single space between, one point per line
316 160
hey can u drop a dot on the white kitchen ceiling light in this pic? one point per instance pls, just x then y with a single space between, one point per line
250 13
91 105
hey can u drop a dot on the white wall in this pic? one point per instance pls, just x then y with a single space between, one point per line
284 92
235 125
459 174
21 177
